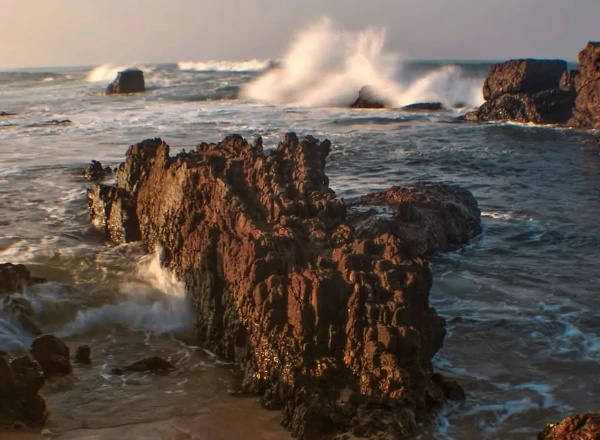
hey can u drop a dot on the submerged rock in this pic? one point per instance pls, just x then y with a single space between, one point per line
20 382
425 106
576 427
96 171
154 364
14 278
53 355
367 98
332 327
83 355
425 217
127 81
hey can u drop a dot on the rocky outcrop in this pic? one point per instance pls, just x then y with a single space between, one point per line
154 364
14 278
20 382
587 84
567 81
127 81
423 106
83 355
367 98
332 325
96 171
425 217
576 427
53 355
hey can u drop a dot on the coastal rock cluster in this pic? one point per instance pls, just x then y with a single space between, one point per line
543 92
324 306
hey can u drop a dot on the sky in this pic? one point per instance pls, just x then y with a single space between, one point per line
51 33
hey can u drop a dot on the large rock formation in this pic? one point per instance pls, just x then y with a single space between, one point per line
367 98
576 427
127 81
587 84
332 327
544 92
20 382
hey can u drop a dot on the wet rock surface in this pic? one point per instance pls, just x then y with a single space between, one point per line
127 81
15 277
96 171
154 364
20 382
330 327
367 98
53 355
424 106
576 427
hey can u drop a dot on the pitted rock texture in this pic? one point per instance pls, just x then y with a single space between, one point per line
334 329
576 427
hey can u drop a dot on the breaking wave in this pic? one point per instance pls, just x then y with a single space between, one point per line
326 66
108 72
226 66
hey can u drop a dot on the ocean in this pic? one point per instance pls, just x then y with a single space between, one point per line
521 300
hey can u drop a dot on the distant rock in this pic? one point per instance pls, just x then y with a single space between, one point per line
127 81
154 364
523 76
21 379
576 427
53 355
96 171
7 114
14 278
51 122
367 98
426 106
83 354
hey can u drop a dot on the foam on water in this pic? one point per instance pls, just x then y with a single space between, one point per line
326 66
254 65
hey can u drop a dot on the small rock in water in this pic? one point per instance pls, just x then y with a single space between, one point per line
154 364
53 355
7 114
21 310
424 106
14 278
127 81
83 355
96 171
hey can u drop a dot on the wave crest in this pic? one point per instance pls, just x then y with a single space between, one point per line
226 66
326 66
108 72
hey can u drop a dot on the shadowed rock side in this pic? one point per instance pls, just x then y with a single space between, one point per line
127 81
333 329
587 84
367 98
577 427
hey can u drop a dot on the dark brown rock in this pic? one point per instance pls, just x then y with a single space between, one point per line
426 217
14 278
83 355
154 364
368 98
20 382
21 310
424 106
53 355
96 171
576 427
7 114
587 84
523 76
567 81
127 81
547 107
332 328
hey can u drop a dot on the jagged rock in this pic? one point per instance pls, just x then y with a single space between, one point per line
20 382
83 355
567 81
587 84
426 217
127 81
523 76
426 106
154 364
367 98
576 427
96 171
21 310
334 329
14 278
53 355
547 107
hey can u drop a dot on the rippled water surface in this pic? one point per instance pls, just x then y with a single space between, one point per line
521 300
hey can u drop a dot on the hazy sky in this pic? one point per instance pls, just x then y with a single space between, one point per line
91 32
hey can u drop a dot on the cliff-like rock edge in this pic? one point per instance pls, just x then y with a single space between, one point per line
331 324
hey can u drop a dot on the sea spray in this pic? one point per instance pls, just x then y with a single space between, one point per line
326 66
108 72
226 66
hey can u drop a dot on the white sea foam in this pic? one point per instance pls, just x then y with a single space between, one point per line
225 66
108 72
326 66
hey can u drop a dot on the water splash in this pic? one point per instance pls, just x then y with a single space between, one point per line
108 72
327 65
226 66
